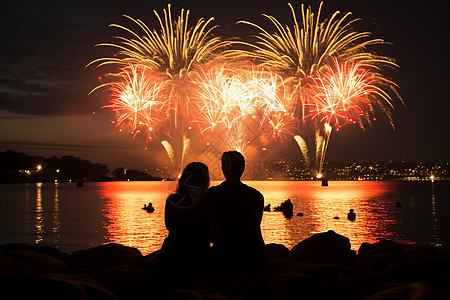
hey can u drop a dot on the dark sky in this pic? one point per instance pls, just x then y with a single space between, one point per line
45 108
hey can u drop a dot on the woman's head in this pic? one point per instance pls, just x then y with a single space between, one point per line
195 176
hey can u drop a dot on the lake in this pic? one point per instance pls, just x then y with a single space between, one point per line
71 218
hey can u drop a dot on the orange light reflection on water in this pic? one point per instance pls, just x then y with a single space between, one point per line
129 225
320 205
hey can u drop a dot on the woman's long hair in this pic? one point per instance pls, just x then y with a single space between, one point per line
194 181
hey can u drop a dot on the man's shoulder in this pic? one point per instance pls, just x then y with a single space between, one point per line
235 187
248 187
215 188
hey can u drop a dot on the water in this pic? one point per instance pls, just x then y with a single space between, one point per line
70 218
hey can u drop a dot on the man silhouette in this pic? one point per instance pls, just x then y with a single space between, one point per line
236 213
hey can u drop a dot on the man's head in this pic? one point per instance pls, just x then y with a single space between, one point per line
233 165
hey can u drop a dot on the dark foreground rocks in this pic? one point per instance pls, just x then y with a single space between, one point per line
321 267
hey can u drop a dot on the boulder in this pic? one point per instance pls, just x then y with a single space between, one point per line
327 247
425 269
406 262
108 255
24 260
295 285
356 283
54 287
255 287
185 295
379 256
415 290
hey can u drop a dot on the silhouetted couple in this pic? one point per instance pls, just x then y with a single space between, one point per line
228 216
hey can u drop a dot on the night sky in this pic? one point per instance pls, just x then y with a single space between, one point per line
45 108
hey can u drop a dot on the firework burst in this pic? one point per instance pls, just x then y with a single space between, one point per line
301 50
172 51
169 53
234 98
345 92
316 73
138 101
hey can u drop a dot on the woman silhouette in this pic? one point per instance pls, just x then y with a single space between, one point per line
186 218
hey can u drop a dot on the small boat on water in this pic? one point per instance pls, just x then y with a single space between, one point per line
149 208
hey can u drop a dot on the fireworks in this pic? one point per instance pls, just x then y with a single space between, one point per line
235 98
317 92
138 101
301 51
168 55
173 51
314 72
344 92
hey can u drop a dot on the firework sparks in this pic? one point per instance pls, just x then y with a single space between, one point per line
234 98
172 51
302 50
315 71
344 93
138 101
169 54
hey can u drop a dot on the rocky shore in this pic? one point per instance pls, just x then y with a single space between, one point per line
322 266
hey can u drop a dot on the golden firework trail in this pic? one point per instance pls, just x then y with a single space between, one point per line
169 53
172 50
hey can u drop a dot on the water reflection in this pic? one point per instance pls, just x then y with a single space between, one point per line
376 215
326 208
44 217
39 223
128 223
435 235
72 218
56 223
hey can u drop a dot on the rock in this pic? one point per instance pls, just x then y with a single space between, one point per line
351 215
320 267
443 286
327 247
295 285
24 260
39 249
405 263
356 283
415 290
54 286
286 207
425 269
276 250
300 214
104 256
185 295
255 287
379 256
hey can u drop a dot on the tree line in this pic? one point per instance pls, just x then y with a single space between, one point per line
18 167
